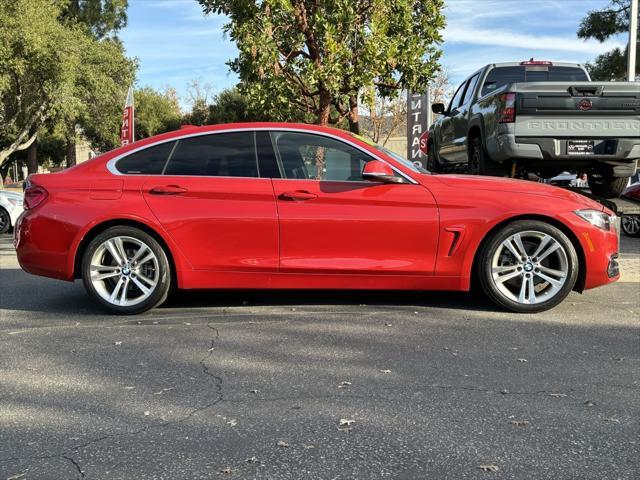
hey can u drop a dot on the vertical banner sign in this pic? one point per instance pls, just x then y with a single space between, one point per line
418 119
127 128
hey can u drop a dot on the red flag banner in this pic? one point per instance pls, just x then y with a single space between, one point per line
127 128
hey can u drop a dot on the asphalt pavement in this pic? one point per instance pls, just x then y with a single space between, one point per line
318 385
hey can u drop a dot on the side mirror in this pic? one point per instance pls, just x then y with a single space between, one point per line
378 171
438 108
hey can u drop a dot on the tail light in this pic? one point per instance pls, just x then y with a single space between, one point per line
508 112
34 195
536 62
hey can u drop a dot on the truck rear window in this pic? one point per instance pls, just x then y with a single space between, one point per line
500 76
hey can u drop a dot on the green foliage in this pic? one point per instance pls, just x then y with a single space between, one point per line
100 89
601 25
230 106
309 58
611 65
156 112
39 60
101 18
56 73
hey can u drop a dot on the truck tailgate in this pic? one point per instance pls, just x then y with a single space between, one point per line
577 110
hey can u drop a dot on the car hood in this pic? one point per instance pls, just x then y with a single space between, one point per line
510 185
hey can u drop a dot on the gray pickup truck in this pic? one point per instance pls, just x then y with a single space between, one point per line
539 118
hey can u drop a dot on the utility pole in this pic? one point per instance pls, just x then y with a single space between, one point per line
633 39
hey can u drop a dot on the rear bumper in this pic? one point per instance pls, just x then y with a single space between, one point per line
615 151
38 251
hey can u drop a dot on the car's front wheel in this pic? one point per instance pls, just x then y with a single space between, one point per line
126 270
528 266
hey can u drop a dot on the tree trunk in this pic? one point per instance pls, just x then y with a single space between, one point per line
71 146
354 117
32 152
324 109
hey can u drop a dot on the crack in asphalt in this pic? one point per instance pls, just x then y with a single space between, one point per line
75 464
218 384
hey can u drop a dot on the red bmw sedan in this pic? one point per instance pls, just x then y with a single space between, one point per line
277 205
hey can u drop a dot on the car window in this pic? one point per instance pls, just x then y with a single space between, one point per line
150 161
455 101
314 157
473 81
500 76
215 155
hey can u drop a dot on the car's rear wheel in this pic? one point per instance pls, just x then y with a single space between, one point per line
126 270
5 221
528 266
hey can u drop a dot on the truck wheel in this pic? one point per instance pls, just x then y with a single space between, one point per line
607 186
479 161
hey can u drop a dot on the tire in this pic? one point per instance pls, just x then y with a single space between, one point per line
607 186
5 221
141 281
479 161
630 225
507 280
432 160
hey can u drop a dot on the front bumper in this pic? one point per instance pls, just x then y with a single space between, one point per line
614 151
601 254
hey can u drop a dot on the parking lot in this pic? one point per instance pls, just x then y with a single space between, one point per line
327 385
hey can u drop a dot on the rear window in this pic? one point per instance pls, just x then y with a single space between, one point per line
218 155
149 161
501 76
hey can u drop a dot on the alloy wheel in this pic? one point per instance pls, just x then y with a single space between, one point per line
124 271
530 267
631 225
4 220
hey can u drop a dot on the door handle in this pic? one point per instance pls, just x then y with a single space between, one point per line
297 195
167 190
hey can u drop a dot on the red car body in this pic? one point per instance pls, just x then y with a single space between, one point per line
227 232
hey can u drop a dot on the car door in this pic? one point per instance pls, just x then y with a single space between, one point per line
449 150
332 221
460 122
212 202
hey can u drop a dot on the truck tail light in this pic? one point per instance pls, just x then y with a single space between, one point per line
508 112
536 62
34 195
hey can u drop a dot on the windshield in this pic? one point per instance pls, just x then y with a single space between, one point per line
501 76
397 157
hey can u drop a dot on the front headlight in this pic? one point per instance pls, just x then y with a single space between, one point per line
16 202
596 218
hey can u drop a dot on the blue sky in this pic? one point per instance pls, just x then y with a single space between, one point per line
175 43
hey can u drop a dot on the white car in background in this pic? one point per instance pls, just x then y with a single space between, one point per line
10 209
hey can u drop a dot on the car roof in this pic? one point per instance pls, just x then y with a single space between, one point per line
518 64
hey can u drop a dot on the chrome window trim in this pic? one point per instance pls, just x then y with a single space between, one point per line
111 164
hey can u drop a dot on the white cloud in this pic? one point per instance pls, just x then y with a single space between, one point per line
505 38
